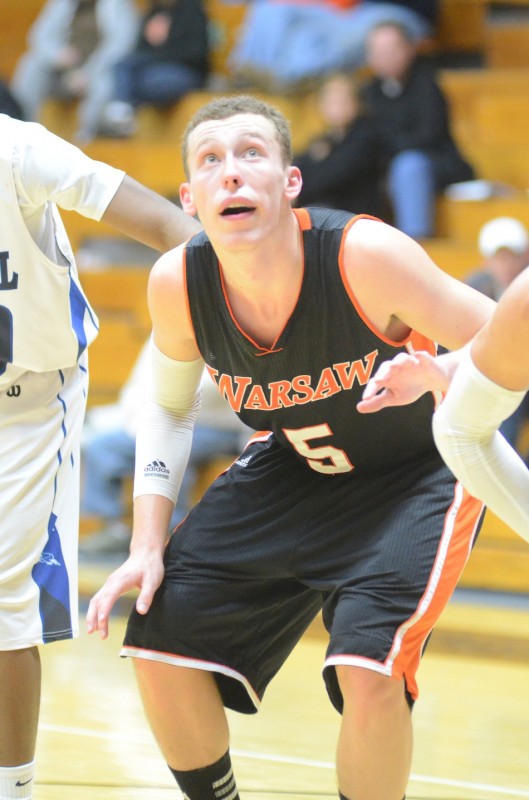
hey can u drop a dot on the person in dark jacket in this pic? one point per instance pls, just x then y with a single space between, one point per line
340 167
171 58
8 104
412 124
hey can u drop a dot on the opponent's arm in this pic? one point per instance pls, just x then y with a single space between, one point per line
148 217
47 168
487 388
407 377
466 433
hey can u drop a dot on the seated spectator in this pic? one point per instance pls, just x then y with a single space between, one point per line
412 125
108 455
283 44
171 58
504 246
339 168
73 46
8 104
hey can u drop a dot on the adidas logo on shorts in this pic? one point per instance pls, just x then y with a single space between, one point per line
156 469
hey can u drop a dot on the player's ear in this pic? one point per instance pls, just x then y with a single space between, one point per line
293 182
186 199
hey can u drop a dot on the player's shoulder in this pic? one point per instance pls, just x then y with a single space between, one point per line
169 266
380 252
22 131
370 233
13 134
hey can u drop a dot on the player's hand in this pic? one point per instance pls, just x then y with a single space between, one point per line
401 381
138 572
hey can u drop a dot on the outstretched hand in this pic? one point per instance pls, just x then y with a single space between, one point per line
145 574
401 381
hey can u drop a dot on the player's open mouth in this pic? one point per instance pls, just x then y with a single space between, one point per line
232 211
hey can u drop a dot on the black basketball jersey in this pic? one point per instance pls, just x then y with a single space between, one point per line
305 389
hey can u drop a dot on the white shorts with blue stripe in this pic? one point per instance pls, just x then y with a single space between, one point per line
41 418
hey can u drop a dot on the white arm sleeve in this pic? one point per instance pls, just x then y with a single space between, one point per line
466 433
163 441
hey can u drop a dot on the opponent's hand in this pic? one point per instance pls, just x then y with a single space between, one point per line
138 571
401 381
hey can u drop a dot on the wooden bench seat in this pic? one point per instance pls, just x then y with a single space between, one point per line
461 220
118 295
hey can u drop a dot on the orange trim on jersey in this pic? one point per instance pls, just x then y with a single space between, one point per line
353 297
461 524
304 220
420 342
188 307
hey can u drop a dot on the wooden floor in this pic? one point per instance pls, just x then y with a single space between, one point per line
471 723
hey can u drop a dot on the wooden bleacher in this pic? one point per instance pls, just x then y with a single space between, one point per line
118 295
476 27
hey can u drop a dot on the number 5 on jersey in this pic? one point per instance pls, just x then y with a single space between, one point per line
326 458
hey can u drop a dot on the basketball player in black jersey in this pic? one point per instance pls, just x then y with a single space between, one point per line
326 509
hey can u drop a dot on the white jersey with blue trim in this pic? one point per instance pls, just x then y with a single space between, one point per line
45 319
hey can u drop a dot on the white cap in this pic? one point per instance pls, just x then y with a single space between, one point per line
503 232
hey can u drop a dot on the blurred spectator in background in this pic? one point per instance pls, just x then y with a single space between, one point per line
283 43
339 168
504 246
412 126
108 455
73 46
171 58
8 104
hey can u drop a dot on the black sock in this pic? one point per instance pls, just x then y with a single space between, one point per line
215 782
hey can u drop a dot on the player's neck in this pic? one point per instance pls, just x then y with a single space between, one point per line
262 292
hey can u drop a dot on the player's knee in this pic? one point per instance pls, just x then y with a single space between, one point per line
365 691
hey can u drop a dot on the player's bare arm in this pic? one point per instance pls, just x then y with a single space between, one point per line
172 330
147 216
174 343
405 291
499 350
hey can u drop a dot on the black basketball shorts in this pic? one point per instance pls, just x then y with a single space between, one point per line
272 543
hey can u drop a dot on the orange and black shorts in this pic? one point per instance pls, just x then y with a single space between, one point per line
272 543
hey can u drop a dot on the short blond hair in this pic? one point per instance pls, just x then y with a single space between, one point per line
225 107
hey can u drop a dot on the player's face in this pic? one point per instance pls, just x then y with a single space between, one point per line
238 184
